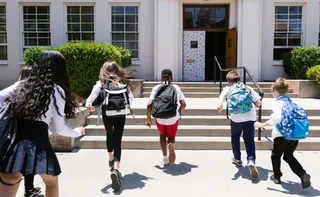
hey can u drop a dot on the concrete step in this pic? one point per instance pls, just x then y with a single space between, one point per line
213 95
207 89
187 143
191 120
184 130
206 84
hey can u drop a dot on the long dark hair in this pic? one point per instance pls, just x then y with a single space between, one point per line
24 73
166 76
112 68
32 97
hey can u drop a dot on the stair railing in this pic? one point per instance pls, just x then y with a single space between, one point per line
245 73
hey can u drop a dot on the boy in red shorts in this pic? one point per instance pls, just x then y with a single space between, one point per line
167 121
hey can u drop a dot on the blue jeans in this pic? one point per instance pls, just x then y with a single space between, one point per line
248 137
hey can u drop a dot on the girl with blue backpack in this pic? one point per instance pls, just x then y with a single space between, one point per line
290 124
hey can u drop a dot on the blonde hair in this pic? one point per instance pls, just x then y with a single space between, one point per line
233 76
112 68
281 85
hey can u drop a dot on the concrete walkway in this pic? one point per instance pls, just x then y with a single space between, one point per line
197 173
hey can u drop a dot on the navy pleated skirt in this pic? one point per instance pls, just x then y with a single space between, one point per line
32 152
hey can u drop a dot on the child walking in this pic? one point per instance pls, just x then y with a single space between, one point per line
168 121
282 146
242 116
112 78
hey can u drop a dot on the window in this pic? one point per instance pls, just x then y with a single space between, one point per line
3 34
36 26
205 17
288 30
80 23
125 32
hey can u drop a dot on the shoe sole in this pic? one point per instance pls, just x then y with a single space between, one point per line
115 182
172 154
34 194
306 181
236 163
253 171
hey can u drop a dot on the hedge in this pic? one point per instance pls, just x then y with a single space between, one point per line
83 61
314 73
300 60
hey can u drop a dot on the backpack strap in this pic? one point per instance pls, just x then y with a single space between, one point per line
103 93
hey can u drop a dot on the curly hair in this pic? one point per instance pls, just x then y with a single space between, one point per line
32 97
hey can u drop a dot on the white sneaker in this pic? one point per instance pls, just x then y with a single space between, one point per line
253 170
165 160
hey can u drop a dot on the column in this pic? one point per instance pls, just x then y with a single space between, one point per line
102 21
311 12
250 36
57 23
166 37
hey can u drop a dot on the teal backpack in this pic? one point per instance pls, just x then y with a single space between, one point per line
239 99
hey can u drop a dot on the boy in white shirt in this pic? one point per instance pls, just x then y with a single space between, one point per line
167 127
280 144
242 122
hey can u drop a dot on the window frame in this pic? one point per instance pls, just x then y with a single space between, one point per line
66 4
2 61
22 41
135 61
302 33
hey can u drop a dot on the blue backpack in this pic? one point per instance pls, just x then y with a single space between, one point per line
294 123
239 99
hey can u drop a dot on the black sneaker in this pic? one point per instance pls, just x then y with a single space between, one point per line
33 192
236 162
276 180
116 184
305 181
111 163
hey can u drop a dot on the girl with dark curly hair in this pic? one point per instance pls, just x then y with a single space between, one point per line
44 96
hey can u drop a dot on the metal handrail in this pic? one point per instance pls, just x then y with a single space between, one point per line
246 71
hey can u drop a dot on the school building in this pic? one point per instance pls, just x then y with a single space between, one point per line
183 35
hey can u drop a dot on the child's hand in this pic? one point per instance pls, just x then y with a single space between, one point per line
219 109
258 125
91 108
148 123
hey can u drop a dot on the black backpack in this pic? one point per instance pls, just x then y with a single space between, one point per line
165 103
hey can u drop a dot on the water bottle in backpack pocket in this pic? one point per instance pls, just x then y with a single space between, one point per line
239 99
165 103
294 124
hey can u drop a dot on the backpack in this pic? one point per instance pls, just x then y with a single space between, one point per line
294 124
8 130
239 99
115 101
165 103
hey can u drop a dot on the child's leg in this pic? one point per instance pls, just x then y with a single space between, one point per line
109 126
279 145
172 132
236 130
291 160
28 182
163 139
248 137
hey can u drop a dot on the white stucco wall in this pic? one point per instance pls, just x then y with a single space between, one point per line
271 69
9 70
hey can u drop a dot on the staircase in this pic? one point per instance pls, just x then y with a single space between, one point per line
201 127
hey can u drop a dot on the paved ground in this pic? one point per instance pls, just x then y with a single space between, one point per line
206 173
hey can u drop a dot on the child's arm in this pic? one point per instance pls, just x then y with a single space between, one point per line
275 117
149 106
222 97
94 94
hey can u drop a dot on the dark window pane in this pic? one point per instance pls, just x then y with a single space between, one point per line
295 27
281 9
43 9
134 54
44 35
188 23
73 18
282 17
88 36
189 13
87 18
278 53
131 18
119 44
3 28
132 37
131 45
131 27
43 27
44 41
295 16
3 53
29 9
280 42
221 12
87 10
73 27
43 17
118 18
73 36
31 17
73 9
30 41
295 9
117 37
294 42
3 38
30 35
87 27
2 9
117 27
131 10
30 27
280 35
117 9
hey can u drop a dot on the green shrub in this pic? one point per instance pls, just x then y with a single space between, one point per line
287 65
304 58
30 55
84 60
314 73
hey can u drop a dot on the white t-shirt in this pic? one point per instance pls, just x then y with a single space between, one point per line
250 115
180 97
276 116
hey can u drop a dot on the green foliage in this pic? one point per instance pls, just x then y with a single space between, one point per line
30 55
304 58
314 73
83 61
287 65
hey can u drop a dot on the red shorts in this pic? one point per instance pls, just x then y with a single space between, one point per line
170 131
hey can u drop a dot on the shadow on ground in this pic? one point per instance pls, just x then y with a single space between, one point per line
129 182
244 173
293 188
177 169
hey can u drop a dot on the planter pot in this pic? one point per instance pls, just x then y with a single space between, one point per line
305 88
137 85
67 144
